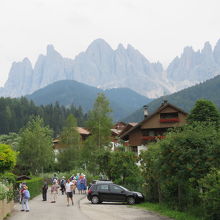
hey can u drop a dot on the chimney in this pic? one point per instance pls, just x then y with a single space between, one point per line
164 102
145 111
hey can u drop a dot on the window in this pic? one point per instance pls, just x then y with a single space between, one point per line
134 149
103 187
116 189
169 115
148 132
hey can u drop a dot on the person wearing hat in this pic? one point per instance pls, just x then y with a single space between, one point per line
25 198
54 191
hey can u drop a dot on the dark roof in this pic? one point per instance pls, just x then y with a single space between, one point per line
163 106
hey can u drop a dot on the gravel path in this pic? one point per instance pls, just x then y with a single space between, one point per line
82 210
40 210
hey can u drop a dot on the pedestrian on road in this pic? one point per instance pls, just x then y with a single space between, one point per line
54 191
74 185
25 198
21 189
62 185
54 178
44 191
69 193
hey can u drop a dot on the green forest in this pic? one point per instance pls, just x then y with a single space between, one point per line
16 112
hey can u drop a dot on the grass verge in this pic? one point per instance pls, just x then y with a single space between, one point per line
165 211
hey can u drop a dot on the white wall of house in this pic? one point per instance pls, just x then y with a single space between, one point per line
140 148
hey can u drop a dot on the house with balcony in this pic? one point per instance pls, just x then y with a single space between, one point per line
153 127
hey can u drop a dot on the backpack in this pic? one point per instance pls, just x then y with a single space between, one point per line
26 194
62 183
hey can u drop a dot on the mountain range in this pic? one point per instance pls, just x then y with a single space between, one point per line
102 67
184 99
123 101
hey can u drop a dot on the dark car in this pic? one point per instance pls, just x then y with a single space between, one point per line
99 181
109 192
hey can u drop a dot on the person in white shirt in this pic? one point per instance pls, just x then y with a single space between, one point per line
69 191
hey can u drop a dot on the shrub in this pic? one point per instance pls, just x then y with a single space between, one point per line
7 158
34 186
210 195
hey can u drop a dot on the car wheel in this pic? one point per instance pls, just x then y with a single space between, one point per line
95 200
131 200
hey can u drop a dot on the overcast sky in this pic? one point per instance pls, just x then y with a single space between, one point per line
160 29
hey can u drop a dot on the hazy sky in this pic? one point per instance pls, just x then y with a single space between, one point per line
160 29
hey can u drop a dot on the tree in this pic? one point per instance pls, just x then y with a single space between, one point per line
99 124
35 147
11 139
210 194
99 121
123 166
186 156
204 111
68 157
7 158
150 171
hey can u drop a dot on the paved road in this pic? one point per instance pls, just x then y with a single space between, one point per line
82 210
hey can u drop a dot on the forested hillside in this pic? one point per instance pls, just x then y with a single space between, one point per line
186 98
15 113
123 101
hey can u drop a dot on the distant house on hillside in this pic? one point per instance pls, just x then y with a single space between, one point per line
115 131
57 145
153 127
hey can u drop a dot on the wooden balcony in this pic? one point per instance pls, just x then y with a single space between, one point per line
152 138
169 120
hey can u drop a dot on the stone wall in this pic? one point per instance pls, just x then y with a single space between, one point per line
5 208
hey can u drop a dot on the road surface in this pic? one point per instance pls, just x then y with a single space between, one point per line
82 210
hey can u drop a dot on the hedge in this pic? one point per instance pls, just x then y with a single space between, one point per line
34 186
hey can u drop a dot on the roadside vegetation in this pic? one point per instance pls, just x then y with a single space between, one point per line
166 211
183 170
179 175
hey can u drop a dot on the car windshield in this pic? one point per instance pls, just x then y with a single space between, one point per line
124 188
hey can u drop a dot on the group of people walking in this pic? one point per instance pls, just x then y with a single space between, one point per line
66 186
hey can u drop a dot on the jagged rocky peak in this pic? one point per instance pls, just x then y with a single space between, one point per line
19 79
99 45
158 67
120 47
20 68
216 52
51 52
207 49
26 61
187 51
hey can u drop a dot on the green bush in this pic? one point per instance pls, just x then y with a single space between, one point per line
210 194
7 180
34 186
7 158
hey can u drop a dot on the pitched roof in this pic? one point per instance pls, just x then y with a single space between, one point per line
83 131
163 106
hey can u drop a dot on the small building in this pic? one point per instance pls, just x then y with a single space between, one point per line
57 145
117 129
153 127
